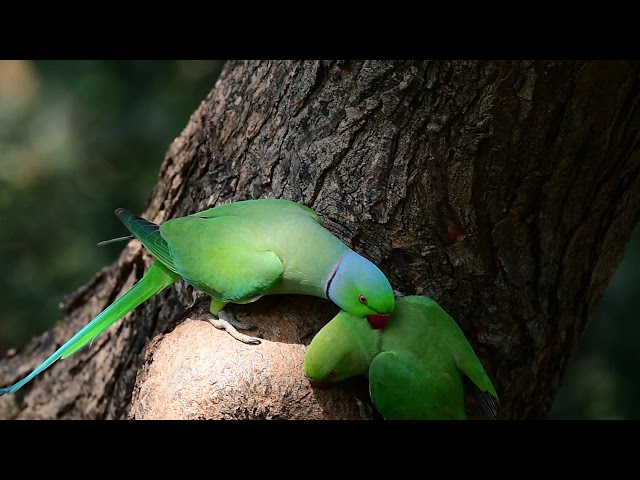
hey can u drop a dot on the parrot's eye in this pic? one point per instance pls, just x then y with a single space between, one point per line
333 373
362 299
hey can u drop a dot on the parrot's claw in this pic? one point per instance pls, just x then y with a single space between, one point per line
224 325
228 316
226 321
237 323
398 294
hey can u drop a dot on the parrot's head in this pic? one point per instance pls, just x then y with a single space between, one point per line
360 288
343 348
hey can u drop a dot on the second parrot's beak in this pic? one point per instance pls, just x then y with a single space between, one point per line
378 320
319 384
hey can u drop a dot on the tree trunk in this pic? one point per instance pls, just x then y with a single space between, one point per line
506 190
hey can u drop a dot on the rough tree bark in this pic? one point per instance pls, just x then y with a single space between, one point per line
506 190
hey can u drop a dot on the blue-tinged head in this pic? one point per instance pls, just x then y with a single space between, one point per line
361 289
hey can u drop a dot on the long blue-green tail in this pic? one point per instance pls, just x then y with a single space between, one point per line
155 280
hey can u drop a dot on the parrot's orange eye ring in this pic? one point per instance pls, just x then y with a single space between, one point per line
333 373
362 299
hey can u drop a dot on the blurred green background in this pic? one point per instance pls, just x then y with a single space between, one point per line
80 138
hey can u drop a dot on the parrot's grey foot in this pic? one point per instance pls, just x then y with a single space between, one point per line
228 316
366 410
398 294
226 321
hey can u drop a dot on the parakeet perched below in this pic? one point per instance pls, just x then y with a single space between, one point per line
237 253
418 365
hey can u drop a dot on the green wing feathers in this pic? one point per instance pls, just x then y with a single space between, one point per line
149 235
464 356
479 382
404 388
155 280
223 251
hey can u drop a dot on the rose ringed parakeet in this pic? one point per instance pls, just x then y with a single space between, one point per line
418 366
238 252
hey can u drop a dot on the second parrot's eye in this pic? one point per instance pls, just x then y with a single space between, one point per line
362 299
333 373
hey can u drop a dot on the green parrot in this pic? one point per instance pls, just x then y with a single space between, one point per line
237 253
418 366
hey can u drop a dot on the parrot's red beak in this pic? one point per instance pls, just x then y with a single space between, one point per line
319 384
378 321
